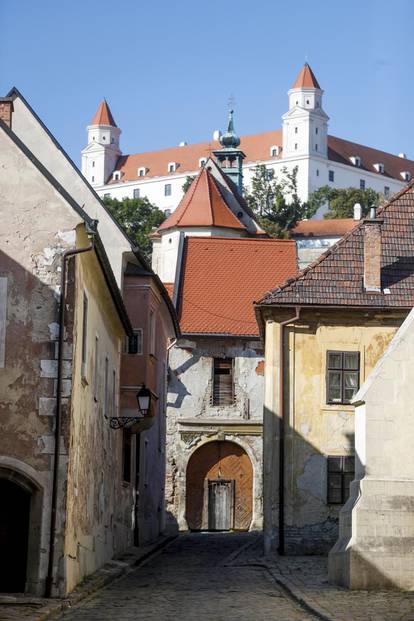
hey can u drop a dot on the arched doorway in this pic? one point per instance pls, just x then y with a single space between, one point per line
14 536
219 489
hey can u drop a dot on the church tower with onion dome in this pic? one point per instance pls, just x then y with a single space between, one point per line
230 157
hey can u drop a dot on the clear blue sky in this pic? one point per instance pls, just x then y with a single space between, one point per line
167 68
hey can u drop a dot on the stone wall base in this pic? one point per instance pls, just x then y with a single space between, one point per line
376 536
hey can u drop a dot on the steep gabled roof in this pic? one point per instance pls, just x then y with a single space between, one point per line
103 115
203 205
221 277
336 278
306 78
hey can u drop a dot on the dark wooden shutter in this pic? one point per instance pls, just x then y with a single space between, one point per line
223 381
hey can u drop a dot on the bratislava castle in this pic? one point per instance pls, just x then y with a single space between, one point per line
303 141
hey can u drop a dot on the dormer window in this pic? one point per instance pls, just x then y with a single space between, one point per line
172 167
142 171
406 175
202 161
274 151
116 176
356 160
379 167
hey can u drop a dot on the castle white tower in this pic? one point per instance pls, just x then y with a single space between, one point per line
305 125
101 154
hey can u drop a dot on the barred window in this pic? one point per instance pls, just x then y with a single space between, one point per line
341 471
342 376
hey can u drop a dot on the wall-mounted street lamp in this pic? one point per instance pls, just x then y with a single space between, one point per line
143 397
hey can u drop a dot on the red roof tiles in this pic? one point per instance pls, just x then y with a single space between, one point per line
306 78
336 278
257 148
335 227
221 277
203 205
103 115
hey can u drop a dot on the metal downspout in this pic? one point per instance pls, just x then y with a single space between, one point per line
282 427
65 256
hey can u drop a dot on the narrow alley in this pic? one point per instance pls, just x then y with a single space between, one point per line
196 578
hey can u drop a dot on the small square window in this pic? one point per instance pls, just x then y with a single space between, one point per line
167 189
362 184
136 193
331 176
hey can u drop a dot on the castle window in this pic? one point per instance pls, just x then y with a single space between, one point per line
379 167
167 213
107 195
172 167
342 376
307 101
136 193
362 184
316 130
93 164
202 161
116 175
296 130
93 178
386 190
316 147
296 146
142 171
341 472
406 175
112 140
356 160
223 382
274 151
167 189
103 138
331 176
317 172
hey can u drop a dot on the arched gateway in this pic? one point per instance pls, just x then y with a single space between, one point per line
219 491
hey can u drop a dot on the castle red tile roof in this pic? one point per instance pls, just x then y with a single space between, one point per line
335 227
203 205
103 115
336 278
257 147
306 78
221 277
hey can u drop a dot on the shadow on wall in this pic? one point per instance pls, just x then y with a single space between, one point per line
175 385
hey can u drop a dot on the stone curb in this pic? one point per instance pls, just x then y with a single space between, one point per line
110 572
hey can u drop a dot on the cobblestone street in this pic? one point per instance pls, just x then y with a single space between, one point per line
189 581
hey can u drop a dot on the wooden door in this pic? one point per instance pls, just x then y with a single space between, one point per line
220 504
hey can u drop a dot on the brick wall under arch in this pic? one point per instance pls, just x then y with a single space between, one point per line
214 460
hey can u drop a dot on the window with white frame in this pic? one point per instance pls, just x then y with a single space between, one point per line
202 161
331 176
406 175
133 344
274 151
167 189
116 176
379 167
142 171
172 167
356 160
136 193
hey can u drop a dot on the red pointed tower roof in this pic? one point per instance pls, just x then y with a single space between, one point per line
203 205
306 78
103 115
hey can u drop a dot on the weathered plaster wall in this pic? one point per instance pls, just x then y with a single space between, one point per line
315 429
374 549
193 421
36 227
99 504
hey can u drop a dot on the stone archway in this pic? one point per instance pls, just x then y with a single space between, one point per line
20 525
214 463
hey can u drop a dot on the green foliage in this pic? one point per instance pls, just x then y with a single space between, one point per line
276 204
188 181
138 217
341 201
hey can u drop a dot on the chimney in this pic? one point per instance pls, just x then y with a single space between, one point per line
357 211
6 109
372 252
